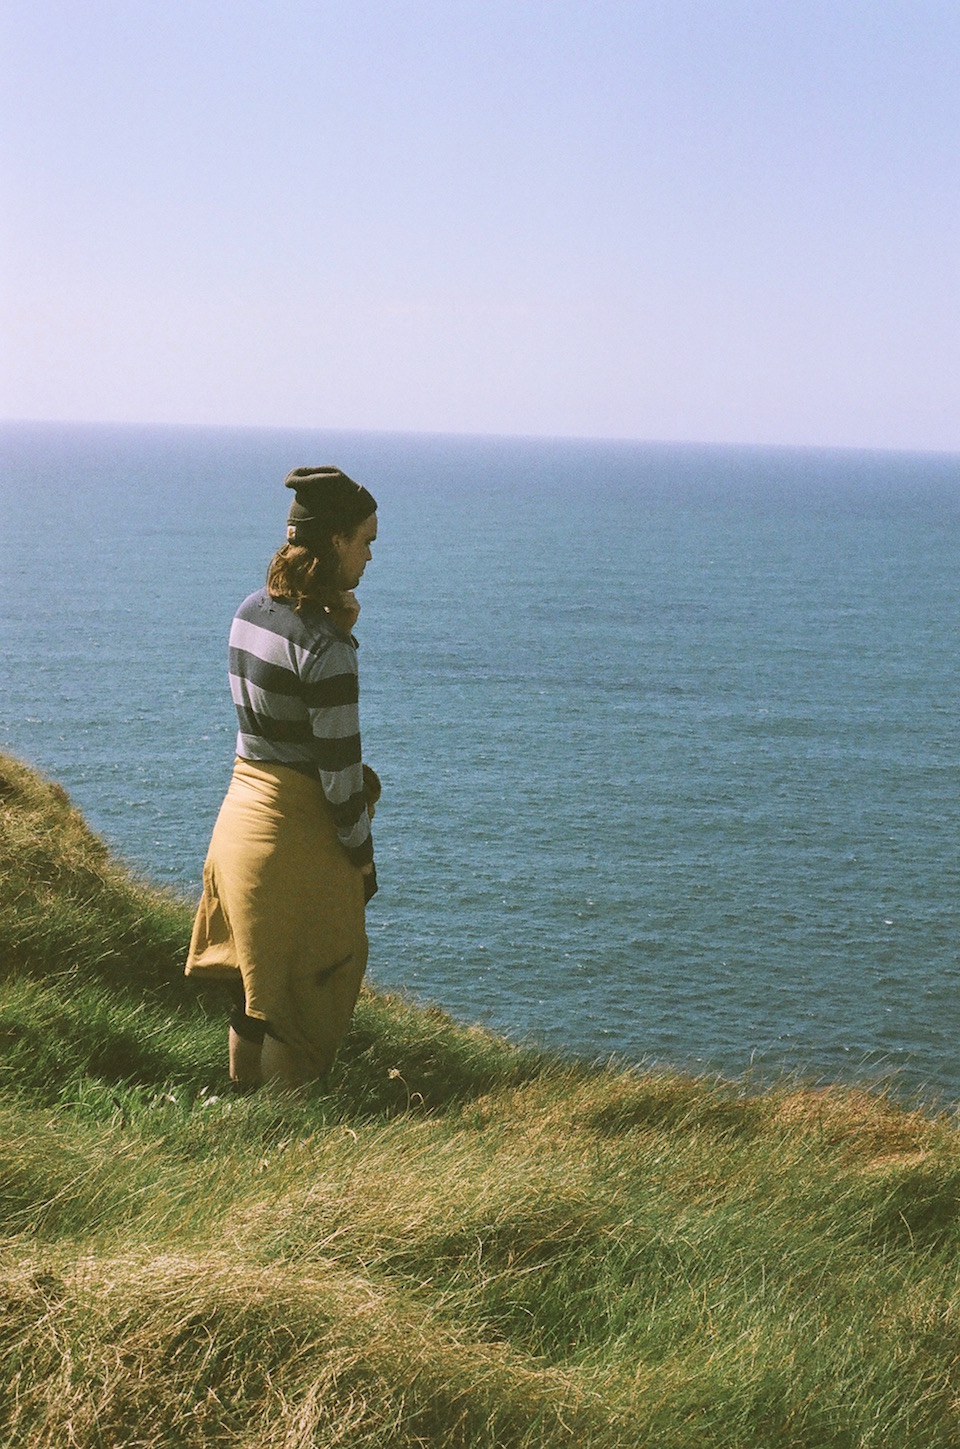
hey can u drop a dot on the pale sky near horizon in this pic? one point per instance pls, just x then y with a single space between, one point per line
697 220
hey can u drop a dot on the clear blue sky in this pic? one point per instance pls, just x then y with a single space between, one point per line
729 220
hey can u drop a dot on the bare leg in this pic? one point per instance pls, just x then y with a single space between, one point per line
279 1065
244 1061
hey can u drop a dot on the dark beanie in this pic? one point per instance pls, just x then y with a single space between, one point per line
326 502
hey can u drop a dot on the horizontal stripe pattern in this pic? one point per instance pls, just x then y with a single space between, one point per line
293 680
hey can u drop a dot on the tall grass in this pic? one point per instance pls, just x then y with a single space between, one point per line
452 1242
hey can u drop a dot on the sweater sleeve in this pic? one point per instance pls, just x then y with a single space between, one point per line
330 691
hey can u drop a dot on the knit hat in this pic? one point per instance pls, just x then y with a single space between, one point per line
326 502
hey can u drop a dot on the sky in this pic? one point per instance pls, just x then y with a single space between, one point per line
693 220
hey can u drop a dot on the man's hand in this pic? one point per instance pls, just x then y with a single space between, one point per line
347 612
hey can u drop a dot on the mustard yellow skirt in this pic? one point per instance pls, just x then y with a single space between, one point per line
283 911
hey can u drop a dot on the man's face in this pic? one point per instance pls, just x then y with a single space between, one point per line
353 551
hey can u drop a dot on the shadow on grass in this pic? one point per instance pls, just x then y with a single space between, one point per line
399 1058
664 1102
912 1205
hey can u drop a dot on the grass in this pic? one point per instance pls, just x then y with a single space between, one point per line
453 1242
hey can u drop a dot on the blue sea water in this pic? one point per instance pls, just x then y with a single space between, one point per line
669 735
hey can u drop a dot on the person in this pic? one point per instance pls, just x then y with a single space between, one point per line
290 866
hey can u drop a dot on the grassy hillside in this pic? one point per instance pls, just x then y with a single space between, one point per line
453 1243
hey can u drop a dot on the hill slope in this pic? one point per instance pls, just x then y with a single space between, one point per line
454 1242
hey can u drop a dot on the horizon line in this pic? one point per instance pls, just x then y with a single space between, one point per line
626 440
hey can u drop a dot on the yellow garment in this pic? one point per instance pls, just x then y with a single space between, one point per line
283 906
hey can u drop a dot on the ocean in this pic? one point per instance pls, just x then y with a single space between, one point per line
668 734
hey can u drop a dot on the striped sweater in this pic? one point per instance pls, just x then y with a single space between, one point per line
293 677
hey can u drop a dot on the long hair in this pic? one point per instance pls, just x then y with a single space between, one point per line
305 575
